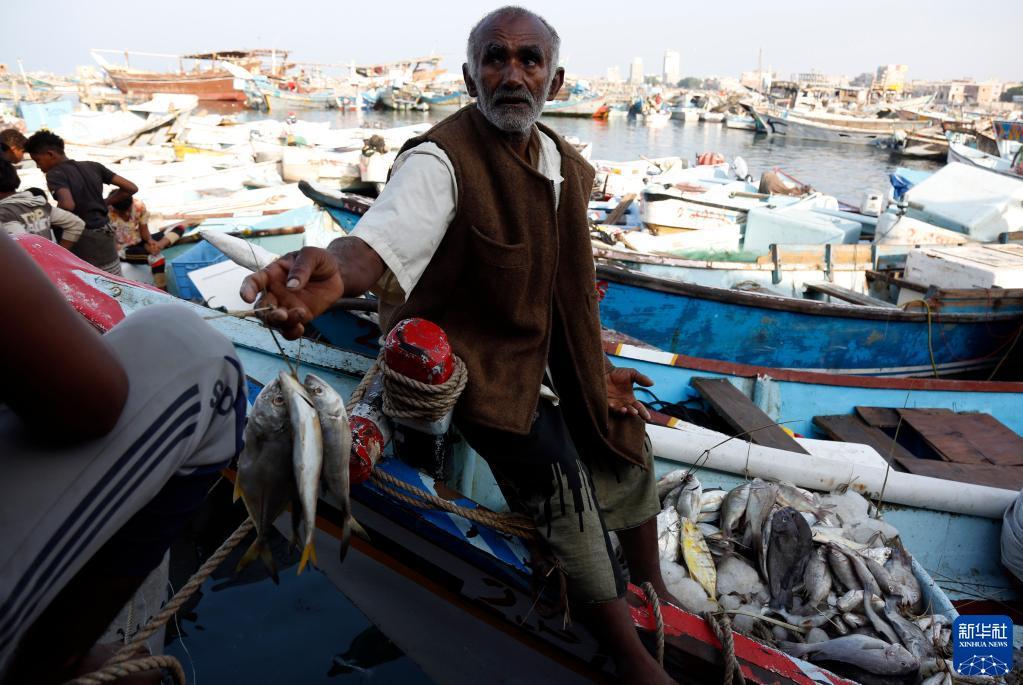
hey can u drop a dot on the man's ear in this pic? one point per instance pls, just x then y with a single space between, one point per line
470 85
556 83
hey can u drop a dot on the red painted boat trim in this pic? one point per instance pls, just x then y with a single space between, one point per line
59 265
816 378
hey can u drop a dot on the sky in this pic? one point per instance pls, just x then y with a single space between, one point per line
937 39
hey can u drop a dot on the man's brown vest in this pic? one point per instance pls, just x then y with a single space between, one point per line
513 285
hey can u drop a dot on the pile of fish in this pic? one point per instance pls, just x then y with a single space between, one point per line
297 436
818 577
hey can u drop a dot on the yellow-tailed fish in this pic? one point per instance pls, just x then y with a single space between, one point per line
265 481
306 456
698 559
337 450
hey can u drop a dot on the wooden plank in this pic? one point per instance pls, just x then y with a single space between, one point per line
615 215
1005 477
878 417
849 428
968 438
837 291
744 416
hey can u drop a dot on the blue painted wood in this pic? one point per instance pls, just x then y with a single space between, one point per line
764 330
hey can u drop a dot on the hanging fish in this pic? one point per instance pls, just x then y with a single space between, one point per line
689 499
733 507
307 458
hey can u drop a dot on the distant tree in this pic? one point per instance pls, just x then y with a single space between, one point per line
652 80
690 82
1009 92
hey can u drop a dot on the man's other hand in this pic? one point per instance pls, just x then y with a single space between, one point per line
620 398
296 288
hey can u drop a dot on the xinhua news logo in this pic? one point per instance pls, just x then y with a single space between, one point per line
982 645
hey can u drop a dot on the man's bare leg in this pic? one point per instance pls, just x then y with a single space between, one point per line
640 547
611 624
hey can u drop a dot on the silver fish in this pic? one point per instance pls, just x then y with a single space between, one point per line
867 653
733 507
884 581
265 481
821 620
689 499
337 449
900 570
880 625
669 541
853 601
671 499
910 635
758 510
816 578
801 500
307 458
842 569
788 552
711 500
863 573
669 482
761 551
854 620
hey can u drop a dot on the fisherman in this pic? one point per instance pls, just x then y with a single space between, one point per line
12 145
78 188
104 456
29 212
482 229
136 245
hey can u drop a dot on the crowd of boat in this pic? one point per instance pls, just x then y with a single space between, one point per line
872 345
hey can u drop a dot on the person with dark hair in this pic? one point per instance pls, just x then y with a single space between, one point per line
12 145
137 245
78 188
104 455
482 229
29 212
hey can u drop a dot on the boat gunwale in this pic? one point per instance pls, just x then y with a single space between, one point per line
752 371
777 302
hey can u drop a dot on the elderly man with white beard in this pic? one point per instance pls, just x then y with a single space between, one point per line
482 230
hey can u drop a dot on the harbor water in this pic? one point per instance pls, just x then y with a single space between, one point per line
249 630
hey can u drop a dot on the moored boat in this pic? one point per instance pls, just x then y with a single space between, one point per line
794 127
955 332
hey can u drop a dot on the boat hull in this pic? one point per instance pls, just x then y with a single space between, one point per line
789 333
808 130
214 85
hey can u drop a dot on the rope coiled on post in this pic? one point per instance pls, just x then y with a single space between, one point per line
655 607
722 628
124 662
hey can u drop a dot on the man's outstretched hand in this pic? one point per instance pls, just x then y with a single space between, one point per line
620 398
297 288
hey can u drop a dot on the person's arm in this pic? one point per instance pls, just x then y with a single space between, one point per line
301 285
147 237
70 225
64 198
57 373
125 188
399 233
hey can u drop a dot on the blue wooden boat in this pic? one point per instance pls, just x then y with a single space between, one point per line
955 333
954 534
424 568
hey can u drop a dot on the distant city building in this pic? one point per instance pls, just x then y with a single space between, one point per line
982 94
757 80
672 67
864 80
817 78
636 71
891 77
950 93
614 74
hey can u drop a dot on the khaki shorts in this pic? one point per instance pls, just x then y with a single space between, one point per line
574 503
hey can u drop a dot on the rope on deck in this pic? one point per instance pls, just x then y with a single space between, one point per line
722 627
655 607
124 662
511 524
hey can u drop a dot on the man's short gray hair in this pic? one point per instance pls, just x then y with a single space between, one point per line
472 51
